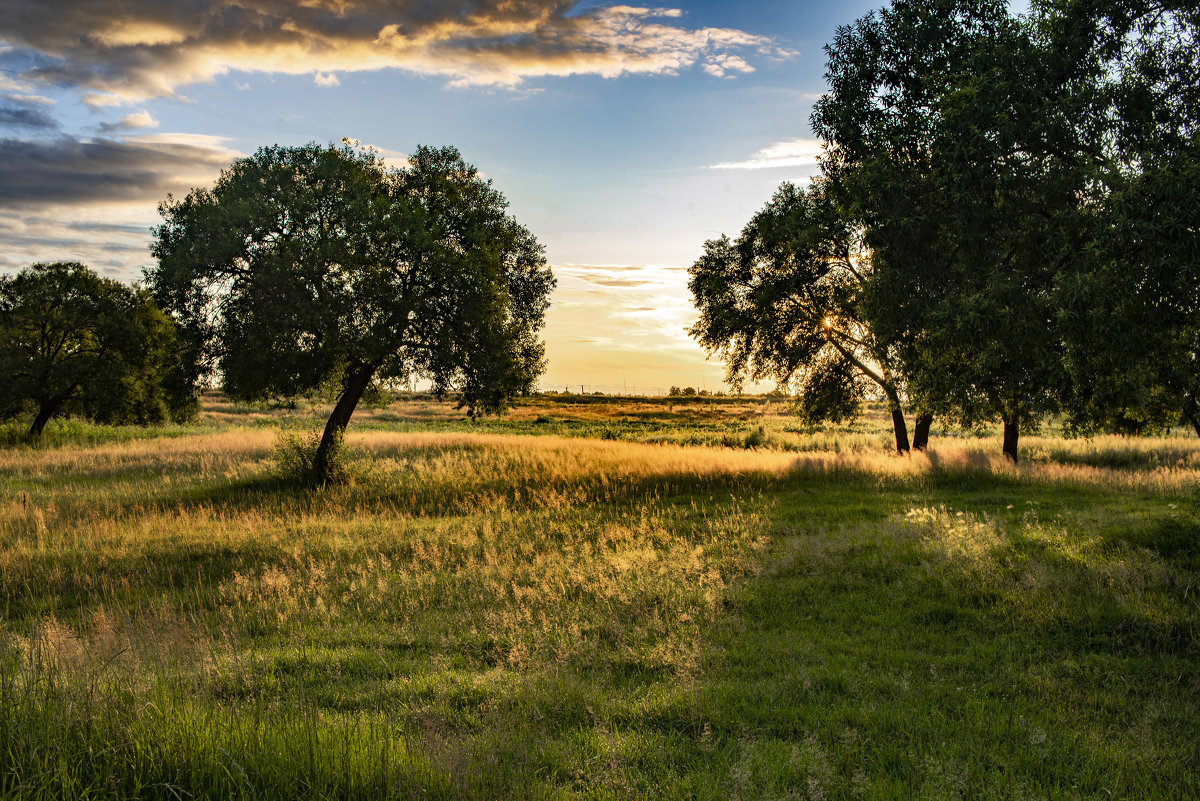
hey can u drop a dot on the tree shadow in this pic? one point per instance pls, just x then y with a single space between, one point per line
872 657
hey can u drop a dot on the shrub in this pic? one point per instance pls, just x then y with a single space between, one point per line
295 459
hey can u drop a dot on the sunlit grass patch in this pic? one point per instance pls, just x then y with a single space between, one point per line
1051 572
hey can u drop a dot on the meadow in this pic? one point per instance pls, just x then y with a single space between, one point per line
591 597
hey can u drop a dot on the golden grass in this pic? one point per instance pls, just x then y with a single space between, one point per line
508 526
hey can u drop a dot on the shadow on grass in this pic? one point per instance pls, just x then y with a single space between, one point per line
873 659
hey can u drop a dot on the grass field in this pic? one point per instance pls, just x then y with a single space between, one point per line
597 598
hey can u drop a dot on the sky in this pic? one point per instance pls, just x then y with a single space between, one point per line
622 136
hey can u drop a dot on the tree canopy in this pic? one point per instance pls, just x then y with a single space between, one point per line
782 302
937 125
1140 293
1022 191
73 342
1031 243
318 266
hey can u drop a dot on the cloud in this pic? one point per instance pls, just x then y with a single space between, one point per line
140 119
326 79
65 170
721 65
602 280
624 337
21 109
93 200
622 276
24 115
126 50
112 239
788 153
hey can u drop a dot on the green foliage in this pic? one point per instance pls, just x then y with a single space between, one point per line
833 392
295 458
1139 293
72 342
934 135
757 438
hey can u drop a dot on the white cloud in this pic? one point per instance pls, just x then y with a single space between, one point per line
21 91
98 100
722 64
214 148
788 153
624 328
139 119
326 79
112 239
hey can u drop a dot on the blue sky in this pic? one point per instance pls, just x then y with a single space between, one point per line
623 136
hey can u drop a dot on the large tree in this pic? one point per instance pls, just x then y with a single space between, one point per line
1132 318
783 302
1028 189
954 132
71 341
314 266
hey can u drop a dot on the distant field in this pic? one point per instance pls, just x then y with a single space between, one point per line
597 598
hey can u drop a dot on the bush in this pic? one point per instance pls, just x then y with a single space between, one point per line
295 459
757 438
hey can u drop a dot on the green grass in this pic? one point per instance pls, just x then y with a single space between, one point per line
483 615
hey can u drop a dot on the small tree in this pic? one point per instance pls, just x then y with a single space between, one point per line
312 266
783 303
71 341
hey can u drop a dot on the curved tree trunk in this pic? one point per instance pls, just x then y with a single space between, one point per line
1011 433
884 379
921 432
1195 421
46 410
357 381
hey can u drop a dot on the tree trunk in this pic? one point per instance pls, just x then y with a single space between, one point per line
46 411
1011 432
1195 421
356 384
898 424
1190 415
901 430
921 432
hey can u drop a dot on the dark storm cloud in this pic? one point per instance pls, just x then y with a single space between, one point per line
68 171
143 48
19 115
